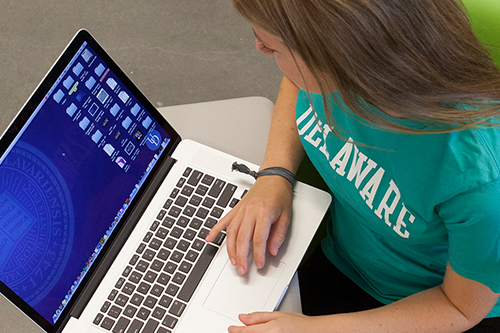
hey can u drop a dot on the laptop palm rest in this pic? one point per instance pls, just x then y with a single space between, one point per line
234 294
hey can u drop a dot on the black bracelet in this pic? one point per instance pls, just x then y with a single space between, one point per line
273 171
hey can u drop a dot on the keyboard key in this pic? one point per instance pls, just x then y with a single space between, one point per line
208 180
159 313
195 178
157 265
202 213
128 288
170 267
168 203
148 255
150 326
198 244
183 245
155 243
174 193
105 307
114 312
98 319
217 188
181 201
203 233
233 202
219 238
172 289
130 311
170 322
150 302
192 256
179 278
157 290
165 301
135 327
183 221
187 191
147 237
189 210
143 288
141 248
121 300
170 243
150 276
197 273
208 202
177 308
196 223
119 283
134 259
107 323
185 267
187 172
189 234
217 212
177 256
167 223
154 226
181 182
227 194
176 232
163 254
163 279
195 200
127 271
121 325
210 223
143 313
135 277
142 266
137 299
174 211
201 190
112 294
161 214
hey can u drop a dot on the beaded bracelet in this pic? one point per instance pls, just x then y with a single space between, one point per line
272 171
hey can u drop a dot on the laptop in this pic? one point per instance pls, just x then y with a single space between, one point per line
104 211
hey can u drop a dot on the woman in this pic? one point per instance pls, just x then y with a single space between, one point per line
391 101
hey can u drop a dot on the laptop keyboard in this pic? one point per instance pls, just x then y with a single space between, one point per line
154 289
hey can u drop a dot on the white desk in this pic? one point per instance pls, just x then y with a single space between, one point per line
237 126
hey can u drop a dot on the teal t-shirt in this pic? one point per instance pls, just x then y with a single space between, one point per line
405 205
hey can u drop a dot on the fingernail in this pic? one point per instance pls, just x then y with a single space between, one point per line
241 270
233 262
259 265
275 250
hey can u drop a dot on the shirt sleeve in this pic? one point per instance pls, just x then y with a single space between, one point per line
472 219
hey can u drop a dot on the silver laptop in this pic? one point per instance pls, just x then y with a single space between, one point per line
104 211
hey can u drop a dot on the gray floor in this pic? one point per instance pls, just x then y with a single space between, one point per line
176 51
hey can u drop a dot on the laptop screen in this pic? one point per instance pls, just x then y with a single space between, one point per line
68 175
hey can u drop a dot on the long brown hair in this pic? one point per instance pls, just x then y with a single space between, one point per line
412 58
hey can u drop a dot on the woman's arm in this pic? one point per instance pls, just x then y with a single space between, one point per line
263 215
457 305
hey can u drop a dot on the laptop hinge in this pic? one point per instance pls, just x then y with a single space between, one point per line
122 237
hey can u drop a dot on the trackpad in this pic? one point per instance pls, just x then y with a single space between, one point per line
233 293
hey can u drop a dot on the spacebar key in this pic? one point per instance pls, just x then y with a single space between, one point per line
197 273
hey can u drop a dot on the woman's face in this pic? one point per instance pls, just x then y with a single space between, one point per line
295 69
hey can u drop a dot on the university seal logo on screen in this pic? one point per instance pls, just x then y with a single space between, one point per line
36 223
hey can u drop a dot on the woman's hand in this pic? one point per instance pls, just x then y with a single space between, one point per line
261 217
275 322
